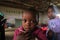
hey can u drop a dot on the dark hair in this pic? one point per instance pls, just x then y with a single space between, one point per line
43 25
51 6
33 10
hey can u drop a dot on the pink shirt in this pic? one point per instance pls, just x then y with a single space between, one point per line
37 32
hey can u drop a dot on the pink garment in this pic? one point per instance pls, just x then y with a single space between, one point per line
38 33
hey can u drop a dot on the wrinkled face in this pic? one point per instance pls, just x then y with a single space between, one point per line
50 12
28 21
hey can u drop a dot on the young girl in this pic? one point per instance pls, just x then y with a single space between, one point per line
29 30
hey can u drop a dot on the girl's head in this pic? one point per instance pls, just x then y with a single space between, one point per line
51 11
29 19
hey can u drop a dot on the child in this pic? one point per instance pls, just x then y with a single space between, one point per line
29 30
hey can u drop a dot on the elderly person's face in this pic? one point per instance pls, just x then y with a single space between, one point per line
50 12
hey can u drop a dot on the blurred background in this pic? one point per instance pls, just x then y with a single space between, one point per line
13 10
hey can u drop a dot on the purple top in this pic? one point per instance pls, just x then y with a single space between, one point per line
54 25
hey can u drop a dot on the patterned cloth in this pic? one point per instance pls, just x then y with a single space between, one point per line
29 36
54 25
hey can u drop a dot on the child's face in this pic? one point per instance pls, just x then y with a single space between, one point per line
50 12
28 21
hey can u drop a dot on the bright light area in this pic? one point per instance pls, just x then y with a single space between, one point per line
58 15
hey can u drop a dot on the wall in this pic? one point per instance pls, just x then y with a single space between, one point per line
43 18
11 13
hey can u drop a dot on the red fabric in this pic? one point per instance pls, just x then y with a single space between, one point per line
40 34
44 28
37 32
